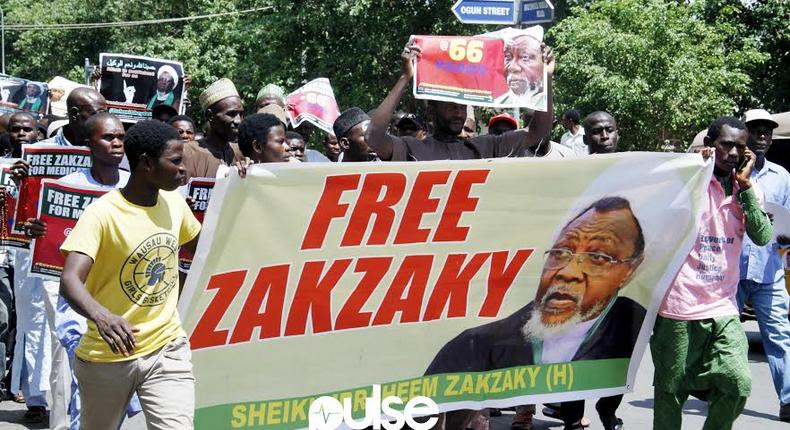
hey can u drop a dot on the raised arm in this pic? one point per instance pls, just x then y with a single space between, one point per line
376 135
116 331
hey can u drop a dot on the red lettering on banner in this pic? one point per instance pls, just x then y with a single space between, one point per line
368 204
313 296
379 194
350 316
270 286
500 278
414 272
459 202
419 204
314 293
227 285
453 286
328 208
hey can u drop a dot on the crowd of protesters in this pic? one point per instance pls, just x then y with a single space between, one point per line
80 354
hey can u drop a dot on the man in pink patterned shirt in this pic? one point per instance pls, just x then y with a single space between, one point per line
698 345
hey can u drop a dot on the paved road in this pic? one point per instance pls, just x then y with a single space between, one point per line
636 410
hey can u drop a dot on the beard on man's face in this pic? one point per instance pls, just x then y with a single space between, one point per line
537 326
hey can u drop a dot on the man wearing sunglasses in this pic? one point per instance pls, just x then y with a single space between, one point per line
577 313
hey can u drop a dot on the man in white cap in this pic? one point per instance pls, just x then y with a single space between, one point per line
762 272
223 111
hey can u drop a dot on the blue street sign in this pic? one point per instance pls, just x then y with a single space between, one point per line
485 11
536 11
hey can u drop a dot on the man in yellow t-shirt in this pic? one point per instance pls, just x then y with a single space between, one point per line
121 274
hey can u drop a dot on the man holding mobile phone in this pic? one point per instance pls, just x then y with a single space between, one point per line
698 344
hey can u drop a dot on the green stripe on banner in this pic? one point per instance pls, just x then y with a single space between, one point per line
284 414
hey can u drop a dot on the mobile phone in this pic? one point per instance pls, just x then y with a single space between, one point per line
742 163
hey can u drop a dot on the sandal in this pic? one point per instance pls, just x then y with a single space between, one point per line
521 421
19 397
35 415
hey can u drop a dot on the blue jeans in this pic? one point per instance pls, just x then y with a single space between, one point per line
770 303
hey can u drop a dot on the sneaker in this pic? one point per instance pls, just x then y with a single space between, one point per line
784 412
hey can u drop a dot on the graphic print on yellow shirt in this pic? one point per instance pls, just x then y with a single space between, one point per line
145 276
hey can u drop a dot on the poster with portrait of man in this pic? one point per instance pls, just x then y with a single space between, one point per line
503 69
454 282
18 94
134 85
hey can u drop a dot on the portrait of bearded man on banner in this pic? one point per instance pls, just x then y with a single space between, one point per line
166 82
33 99
524 68
577 313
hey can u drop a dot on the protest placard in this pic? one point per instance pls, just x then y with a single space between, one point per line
199 189
17 94
315 103
431 281
61 206
498 69
134 85
46 161
8 238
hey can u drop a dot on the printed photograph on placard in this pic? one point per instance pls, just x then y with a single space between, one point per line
17 94
503 69
134 85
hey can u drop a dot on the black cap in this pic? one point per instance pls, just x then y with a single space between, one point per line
411 118
348 120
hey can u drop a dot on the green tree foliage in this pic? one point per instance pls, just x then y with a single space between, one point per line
660 69
354 43
664 68
769 21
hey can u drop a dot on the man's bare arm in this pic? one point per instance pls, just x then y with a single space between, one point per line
116 331
191 246
376 135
